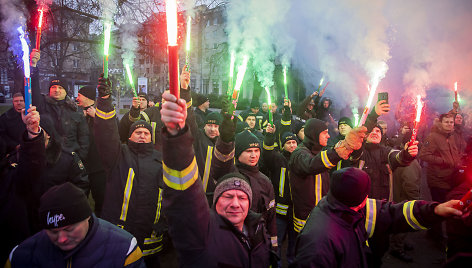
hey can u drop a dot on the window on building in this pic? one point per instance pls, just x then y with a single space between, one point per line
205 85
215 86
147 70
147 60
215 21
156 70
75 47
76 63
215 46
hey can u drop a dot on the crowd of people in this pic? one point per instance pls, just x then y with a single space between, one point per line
81 187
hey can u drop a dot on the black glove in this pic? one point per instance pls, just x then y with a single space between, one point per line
227 128
225 105
104 87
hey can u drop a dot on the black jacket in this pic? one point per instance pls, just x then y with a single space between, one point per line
92 162
200 117
134 181
68 120
203 147
17 198
11 129
335 235
201 237
263 200
277 165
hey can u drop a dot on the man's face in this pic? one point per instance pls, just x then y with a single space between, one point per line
344 129
375 136
68 237
384 127
265 107
458 119
57 92
141 135
273 108
233 205
255 110
323 139
250 156
142 103
311 105
447 124
301 134
326 104
212 130
290 146
405 129
18 103
84 101
206 105
251 121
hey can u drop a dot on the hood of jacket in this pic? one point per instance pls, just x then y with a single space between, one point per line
313 128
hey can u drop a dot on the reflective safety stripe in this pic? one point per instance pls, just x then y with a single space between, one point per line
273 241
127 194
206 172
268 147
145 116
318 185
324 158
153 125
189 104
370 216
104 115
410 217
224 157
298 224
180 180
339 164
286 123
159 205
133 257
152 251
281 209
153 239
282 182
240 118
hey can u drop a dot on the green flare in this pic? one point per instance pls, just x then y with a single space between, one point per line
231 74
321 83
270 106
130 78
285 82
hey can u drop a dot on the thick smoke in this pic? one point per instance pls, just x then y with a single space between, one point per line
12 18
420 46
108 9
129 43
250 27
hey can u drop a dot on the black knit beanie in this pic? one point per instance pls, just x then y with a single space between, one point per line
349 186
214 118
89 92
139 124
59 82
244 141
63 205
287 136
232 181
345 120
297 125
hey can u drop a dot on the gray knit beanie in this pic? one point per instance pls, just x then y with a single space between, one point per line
232 181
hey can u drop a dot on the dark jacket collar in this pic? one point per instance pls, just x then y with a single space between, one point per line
141 148
252 169
93 227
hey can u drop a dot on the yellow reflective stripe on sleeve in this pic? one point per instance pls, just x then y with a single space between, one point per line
370 216
286 123
240 118
318 185
206 172
180 180
340 162
189 104
159 205
153 126
224 157
134 256
298 224
104 115
410 217
152 251
282 182
267 147
281 209
324 158
145 116
152 240
127 194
